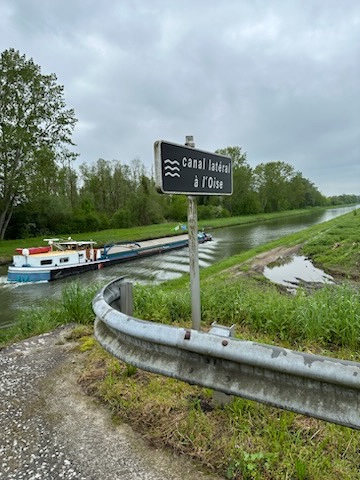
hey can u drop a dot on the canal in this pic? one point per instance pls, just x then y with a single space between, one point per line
226 242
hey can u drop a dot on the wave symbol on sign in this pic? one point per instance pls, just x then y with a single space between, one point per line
171 168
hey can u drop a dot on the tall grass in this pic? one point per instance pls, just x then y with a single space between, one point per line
74 305
329 316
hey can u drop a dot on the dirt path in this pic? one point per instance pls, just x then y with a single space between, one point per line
49 429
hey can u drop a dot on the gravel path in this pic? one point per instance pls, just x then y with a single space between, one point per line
50 430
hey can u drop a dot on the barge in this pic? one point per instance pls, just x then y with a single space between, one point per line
62 258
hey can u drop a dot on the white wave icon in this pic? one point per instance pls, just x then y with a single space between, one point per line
171 168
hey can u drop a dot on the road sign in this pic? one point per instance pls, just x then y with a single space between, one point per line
185 170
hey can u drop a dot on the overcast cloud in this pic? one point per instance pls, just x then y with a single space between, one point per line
279 78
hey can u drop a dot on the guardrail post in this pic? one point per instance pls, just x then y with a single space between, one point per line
221 398
126 298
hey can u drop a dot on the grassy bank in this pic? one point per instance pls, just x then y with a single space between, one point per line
74 306
246 440
7 247
243 440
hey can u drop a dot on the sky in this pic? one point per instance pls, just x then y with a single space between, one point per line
279 78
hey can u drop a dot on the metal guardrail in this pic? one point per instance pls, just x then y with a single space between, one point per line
317 386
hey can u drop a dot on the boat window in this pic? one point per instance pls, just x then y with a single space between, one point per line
46 262
64 259
81 255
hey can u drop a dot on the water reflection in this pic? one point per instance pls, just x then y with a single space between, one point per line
294 271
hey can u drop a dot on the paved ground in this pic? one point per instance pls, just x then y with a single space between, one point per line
50 430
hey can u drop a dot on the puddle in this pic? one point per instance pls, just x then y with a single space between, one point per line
294 271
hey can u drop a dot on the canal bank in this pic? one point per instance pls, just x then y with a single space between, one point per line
244 439
227 241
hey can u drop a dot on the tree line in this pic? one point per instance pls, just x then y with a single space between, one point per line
43 193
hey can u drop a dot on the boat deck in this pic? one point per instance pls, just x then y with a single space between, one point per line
157 242
116 249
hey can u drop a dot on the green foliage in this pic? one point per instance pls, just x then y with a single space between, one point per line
122 218
281 188
337 248
73 307
130 370
123 196
344 199
35 321
244 439
80 331
35 129
176 208
208 212
329 317
76 302
86 344
244 199
249 465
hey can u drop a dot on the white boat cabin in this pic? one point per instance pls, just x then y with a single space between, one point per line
58 253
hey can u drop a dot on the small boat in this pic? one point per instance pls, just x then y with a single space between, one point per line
62 258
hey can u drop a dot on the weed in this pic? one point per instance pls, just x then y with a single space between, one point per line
250 466
79 331
301 470
86 343
130 370
76 302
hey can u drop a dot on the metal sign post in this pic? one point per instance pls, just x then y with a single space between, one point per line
194 263
183 170
194 255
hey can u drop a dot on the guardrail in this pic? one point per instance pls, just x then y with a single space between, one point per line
317 386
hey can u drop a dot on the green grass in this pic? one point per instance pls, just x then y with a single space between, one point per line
74 306
329 317
337 248
243 440
7 247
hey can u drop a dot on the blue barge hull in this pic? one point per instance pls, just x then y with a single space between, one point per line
110 255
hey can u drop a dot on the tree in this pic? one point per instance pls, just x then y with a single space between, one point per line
243 200
109 185
33 120
272 184
303 193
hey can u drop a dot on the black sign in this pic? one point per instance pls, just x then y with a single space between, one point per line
186 170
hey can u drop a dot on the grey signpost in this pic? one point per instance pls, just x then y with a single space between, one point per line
182 169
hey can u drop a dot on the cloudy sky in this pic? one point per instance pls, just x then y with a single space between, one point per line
279 78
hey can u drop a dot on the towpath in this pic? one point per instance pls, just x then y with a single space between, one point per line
49 429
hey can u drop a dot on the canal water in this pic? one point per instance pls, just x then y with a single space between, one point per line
226 242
